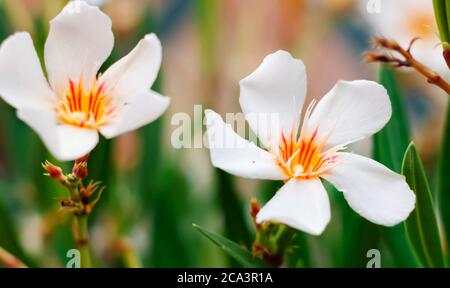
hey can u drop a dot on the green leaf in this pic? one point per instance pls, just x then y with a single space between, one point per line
444 180
440 12
388 148
447 19
421 226
240 254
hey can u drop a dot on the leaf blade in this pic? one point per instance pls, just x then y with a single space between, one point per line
440 12
421 226
444 180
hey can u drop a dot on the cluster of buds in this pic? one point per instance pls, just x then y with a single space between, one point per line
390 55
82 199
391 46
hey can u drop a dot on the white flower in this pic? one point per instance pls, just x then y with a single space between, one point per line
403 20
349 112
69 110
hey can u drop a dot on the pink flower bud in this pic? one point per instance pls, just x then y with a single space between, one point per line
54 172
80 170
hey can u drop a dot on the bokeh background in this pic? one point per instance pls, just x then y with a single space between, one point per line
154 191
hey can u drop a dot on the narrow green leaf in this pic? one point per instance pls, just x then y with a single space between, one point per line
447 19
441 15
388 148
421 226
240 254
444 180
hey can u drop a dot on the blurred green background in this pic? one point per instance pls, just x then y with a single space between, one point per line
155 192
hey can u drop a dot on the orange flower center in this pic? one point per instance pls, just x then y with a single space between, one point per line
302 159
88 109
306 157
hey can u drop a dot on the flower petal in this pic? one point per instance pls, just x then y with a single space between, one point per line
300 204
276 88
65 142
22 82
372 190
233 154
136 71
351 111
79 41
141 109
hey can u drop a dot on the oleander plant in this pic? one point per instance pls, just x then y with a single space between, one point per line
208 133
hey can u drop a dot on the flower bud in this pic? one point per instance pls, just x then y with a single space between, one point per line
82 159
54 172
447 53
80 170
254 209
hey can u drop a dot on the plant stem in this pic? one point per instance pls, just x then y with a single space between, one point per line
408 61
130 258
83 240
128 253
271 243
9 260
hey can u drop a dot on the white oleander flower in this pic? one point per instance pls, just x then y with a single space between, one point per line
76 103
403 20
349 112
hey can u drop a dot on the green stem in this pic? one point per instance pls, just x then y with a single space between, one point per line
130 258
81 233
283 238
83 241
273 240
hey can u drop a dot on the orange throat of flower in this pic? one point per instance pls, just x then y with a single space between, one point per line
303 158
86 109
